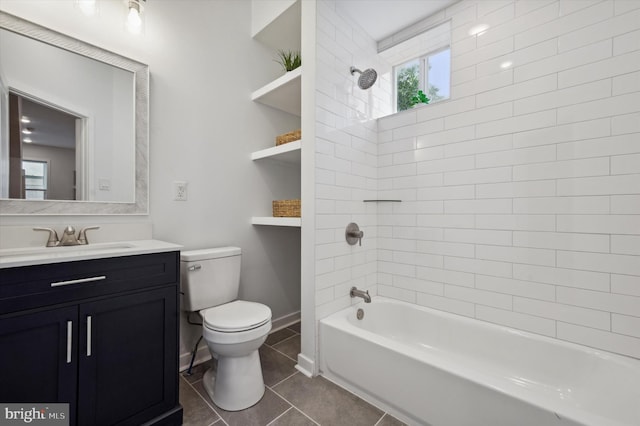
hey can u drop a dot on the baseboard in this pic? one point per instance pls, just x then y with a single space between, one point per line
202 355
305 365
285 321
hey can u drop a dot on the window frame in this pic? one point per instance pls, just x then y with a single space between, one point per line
423 77
45 178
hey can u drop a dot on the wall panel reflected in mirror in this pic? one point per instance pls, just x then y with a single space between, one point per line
73 125
42 151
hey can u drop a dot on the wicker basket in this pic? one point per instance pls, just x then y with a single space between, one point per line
286 208
289 137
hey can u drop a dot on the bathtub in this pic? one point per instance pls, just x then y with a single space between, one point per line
428 367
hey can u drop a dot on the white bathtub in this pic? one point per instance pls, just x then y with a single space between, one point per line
432 368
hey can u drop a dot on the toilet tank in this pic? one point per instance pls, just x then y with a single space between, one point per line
209 277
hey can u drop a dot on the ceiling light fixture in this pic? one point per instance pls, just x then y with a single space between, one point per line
134 21
25 119
27 131
27 140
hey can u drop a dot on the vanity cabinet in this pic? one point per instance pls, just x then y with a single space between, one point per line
101 335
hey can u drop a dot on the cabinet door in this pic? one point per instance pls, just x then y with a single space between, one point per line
38 357
128 358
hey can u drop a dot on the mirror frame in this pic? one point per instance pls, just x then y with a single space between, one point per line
140 205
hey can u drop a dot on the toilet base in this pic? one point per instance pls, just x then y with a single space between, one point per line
237 383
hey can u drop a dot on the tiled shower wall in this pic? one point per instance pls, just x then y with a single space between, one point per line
521 195
346 157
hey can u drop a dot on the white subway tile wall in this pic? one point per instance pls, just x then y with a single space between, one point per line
520 195
346 157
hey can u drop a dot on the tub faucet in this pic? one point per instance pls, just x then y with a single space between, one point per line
359 293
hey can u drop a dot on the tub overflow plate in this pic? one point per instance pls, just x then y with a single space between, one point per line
360 313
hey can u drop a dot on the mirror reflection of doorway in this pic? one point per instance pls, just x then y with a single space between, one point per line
44 145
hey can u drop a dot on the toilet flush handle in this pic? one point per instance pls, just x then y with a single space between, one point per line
195 267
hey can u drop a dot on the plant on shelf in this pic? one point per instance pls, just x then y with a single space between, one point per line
289 59
419 98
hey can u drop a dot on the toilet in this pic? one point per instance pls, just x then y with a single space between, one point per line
233 329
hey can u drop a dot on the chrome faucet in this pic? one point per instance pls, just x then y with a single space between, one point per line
359 293
68 236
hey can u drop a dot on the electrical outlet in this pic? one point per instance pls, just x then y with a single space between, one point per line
104 184
180 191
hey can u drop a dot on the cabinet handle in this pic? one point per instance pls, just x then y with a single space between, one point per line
88 335
79 281
69 340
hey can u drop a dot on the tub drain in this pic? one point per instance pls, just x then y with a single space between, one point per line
360 314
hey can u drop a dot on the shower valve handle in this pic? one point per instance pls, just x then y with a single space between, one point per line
353 234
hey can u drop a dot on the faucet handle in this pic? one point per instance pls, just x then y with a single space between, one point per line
82 235
53 236
353 234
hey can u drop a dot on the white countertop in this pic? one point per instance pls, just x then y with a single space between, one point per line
28 256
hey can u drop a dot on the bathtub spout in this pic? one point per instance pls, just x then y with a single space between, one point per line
359 293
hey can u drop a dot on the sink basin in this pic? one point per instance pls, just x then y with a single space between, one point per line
61 250
26 256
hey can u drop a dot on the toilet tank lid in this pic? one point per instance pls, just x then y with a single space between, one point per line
210 253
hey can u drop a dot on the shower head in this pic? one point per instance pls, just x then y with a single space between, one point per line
367 77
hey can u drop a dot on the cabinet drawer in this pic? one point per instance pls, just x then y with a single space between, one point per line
41 285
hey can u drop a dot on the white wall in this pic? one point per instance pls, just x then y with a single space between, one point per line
203 127
521 194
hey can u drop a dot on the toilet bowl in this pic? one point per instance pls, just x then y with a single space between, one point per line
232 329
234 332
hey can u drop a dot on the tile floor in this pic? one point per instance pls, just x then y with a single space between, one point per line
291 399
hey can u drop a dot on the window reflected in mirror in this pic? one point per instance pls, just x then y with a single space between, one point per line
35 173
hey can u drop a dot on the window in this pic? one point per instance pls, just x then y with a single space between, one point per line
429 73
35 179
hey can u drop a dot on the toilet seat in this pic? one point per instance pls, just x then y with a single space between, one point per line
236 316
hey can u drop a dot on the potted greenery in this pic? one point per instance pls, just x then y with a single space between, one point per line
419 98
289 59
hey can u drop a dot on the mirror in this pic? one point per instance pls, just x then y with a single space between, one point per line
73 125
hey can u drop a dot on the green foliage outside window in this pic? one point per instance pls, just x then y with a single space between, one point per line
420 98
408 86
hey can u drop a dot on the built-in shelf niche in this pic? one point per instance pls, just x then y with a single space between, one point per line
286 153
279 28
293 222
284 93
283 30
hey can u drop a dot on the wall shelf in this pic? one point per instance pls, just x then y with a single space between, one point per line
283 31
294 222
282 93
287 153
